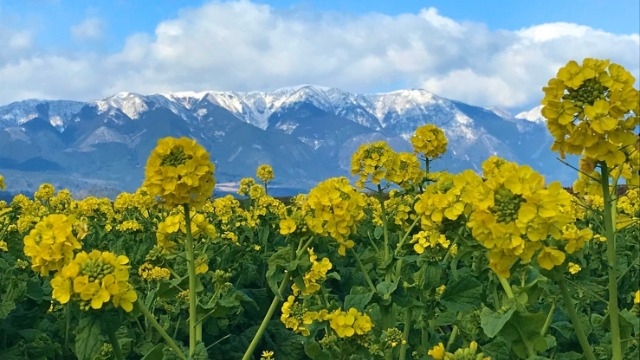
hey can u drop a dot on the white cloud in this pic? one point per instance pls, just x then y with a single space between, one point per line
246 46
89 29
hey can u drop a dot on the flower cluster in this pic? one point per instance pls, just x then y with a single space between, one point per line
514 213
296 317
51 243
315 275
430 141
179 172
438 352
175 223
349 323
335 207
93 280
265 173
592 109
376 162
2 184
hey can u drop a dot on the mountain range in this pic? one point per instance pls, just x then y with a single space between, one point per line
306 133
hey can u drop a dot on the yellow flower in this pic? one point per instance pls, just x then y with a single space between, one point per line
267 355
2 184
334 209
591 110
202 265
264 173
636 297
3 246
50 244
437 352
376 162
93 279
430 141
573 268
179 172
549 257
287 226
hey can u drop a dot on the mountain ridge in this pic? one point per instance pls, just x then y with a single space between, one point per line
306 132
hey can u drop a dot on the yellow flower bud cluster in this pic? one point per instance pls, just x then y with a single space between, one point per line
179 172
430 141
51 243
334 209
376 162
93 280
514 214
129 226
44 193
2 184
429 239
153 273
296 317
592 110
438 352
314 276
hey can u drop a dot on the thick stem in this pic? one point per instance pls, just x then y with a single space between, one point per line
405 334
117 351
154 323
193 296
263 326
506 287
609 217
575 319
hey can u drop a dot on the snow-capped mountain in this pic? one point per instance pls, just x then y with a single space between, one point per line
307 133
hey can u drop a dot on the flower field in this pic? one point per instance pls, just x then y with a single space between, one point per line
403 263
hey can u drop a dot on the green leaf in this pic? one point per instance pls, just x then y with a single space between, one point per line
497 350
492 322
6 308
377 232
34 289
314 351
277 262
155 353
358 301
386 288
88 339
464 294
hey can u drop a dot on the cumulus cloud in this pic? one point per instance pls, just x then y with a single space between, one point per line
89 29
245 46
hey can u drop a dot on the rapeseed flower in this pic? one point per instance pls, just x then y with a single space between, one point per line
265 173
51 243
335 208
2 184
179 172
94 279
430 141
592 110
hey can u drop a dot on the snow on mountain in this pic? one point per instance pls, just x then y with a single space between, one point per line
129 103
534 115
54 111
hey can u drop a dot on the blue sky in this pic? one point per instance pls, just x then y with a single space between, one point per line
489 53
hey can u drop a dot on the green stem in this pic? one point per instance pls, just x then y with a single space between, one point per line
67 327
454 333
405 334
193 296
406 235
364 271
117 351
609 218
263 326
506 287
575 319
547 322
154 323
